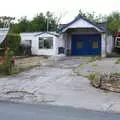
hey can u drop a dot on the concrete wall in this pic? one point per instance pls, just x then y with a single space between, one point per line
110 44
103 45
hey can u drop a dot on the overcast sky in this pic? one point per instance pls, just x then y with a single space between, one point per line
68 8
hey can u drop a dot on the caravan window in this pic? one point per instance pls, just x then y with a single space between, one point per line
46 43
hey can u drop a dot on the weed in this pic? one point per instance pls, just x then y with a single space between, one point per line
94 59
94 65
93 76
81 65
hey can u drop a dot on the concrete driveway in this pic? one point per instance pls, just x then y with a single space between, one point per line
58 85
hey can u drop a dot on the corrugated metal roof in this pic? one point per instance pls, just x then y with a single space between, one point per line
3 33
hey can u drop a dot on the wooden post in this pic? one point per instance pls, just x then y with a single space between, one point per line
6 48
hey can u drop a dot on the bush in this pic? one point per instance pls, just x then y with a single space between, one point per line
6 67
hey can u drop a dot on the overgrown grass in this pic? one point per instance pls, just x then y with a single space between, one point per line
118 61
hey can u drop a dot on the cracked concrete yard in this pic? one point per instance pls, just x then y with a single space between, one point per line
57 84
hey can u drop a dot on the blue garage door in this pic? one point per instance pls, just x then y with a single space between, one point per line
86 45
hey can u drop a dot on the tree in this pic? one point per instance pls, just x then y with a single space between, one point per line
39 23
113 22
91 16
21 26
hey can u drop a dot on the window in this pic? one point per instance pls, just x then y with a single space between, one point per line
79 44
46 42
95 44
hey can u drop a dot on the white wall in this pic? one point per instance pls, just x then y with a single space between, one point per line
26 36
110 44
103 45
50 52
35 43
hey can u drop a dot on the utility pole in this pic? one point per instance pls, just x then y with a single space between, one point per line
47 24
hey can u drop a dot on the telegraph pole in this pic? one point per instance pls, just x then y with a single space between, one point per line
47 24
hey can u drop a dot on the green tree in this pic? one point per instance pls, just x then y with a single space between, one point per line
113 22
38 23
91 16
23 25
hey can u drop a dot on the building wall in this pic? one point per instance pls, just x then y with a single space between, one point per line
35 44
25 37
110 44
103 45
106 42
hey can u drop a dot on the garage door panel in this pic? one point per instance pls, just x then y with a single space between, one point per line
86 45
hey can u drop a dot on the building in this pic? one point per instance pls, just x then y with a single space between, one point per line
80 37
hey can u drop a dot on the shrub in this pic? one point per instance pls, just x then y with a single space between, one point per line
6 67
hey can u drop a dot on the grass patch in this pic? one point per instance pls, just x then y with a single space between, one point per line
115 74
113 55
81 65
118 61
93 76
94 65
94 59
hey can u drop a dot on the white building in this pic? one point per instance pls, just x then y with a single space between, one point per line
79 37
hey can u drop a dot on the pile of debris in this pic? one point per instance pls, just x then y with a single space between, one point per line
109 81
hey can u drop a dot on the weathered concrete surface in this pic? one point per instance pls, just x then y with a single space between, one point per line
106 65
58 85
